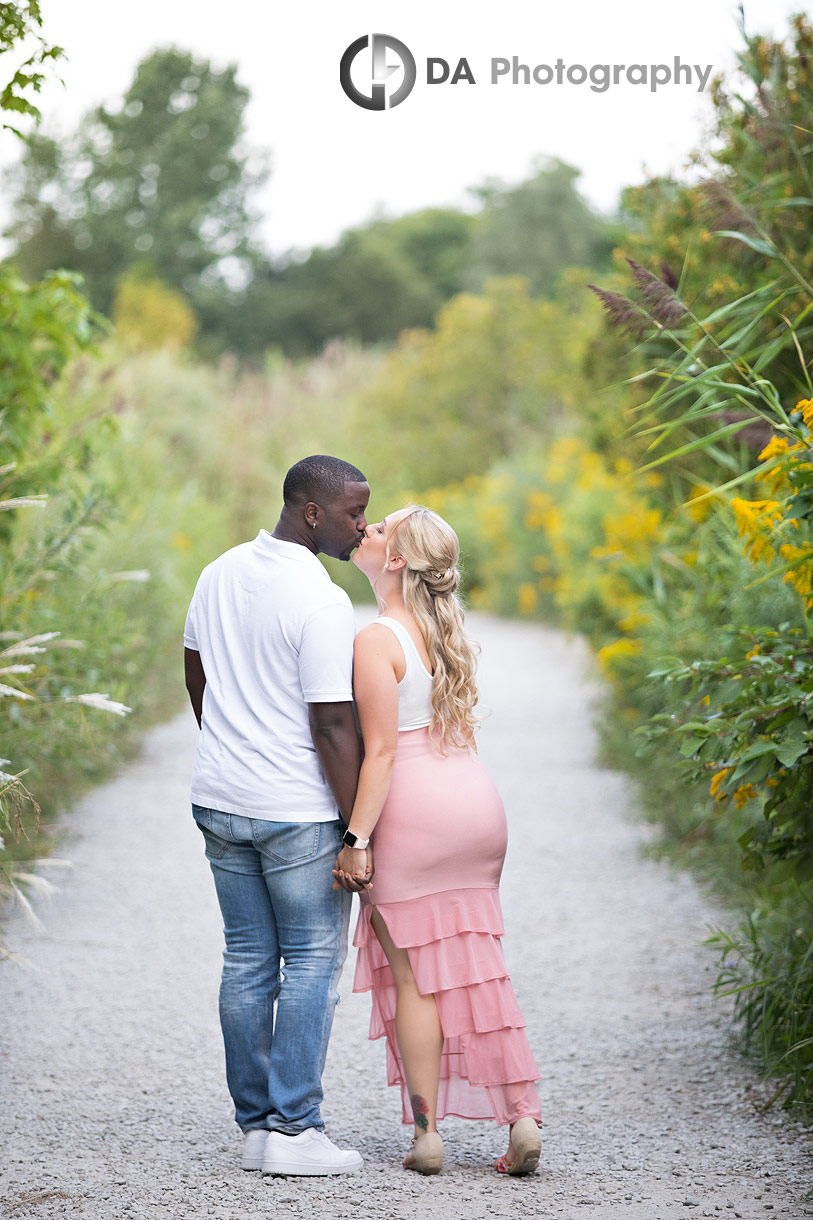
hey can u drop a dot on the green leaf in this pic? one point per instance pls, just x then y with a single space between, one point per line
791 749
754 243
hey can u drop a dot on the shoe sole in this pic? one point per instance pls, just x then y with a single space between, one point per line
526 1162
425 1167
281 1169
525 1145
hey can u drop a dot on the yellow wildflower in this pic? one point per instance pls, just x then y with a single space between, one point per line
775 447
744 794
633 620
562 459
776 478
801 575
526 598
619 650
756 521
630 535
697 506
806 407
755 652
494 521
716 787
539 504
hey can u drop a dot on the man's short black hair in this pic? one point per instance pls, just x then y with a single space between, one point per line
319 478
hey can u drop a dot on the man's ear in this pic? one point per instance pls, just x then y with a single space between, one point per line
311 514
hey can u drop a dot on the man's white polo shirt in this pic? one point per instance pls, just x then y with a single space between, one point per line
274 634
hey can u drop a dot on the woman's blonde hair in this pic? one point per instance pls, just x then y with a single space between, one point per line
431 552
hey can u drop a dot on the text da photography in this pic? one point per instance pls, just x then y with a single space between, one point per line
379 71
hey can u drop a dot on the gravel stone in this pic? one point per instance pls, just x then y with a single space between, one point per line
114 1100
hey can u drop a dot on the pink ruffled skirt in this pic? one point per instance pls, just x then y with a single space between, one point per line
439 849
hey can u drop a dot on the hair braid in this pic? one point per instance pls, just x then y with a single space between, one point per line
431 578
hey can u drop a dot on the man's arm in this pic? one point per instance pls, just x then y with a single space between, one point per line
337 742
195 680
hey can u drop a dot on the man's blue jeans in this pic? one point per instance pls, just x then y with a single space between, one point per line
274 886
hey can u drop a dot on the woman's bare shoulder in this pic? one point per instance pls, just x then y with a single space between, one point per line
375 637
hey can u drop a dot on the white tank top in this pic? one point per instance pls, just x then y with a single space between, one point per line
415 688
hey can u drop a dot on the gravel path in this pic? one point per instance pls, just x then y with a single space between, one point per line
113 1098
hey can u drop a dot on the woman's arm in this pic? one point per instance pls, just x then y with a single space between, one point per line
376 655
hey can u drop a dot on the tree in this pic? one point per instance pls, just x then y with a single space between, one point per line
537 229
159 184
373 283
23 23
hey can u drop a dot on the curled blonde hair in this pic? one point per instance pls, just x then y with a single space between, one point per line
431 576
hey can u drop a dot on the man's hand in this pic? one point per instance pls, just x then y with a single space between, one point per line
354 869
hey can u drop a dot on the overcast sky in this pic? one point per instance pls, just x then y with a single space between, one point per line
335 164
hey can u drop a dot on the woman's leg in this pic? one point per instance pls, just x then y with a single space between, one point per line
418 1030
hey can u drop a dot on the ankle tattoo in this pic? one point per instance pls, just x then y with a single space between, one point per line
419 1111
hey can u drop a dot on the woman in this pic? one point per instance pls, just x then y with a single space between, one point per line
428 933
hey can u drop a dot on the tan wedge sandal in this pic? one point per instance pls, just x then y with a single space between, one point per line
426 1154
524 1148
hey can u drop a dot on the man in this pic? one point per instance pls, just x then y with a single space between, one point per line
268 660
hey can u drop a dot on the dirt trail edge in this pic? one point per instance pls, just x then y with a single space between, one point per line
113 1098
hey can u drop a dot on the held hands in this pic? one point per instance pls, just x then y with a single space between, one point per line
354 869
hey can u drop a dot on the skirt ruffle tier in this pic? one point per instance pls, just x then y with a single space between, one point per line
453 942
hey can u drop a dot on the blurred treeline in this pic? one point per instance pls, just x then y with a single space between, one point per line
653 492
160 188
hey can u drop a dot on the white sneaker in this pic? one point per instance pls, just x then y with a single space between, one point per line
254 1148
309 1153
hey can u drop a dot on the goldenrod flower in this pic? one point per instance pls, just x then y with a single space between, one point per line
776 445
526 598
609 656
756 521
744 794
776 478
699 508
717 781
800 576
806 407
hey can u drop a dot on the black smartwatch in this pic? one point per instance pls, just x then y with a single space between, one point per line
351 840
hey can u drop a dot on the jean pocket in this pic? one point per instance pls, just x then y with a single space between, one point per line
202 816
287 842
210 822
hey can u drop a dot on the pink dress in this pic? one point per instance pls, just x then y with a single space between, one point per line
439 849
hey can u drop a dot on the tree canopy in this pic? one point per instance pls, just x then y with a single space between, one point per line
160 183
158 188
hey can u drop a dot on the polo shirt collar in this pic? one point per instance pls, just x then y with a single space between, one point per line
267 544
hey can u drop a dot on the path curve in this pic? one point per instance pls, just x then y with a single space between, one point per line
113 1099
